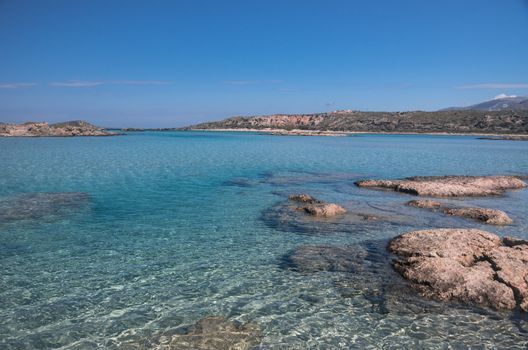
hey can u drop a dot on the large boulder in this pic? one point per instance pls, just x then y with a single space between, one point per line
465 265
216 333
448 186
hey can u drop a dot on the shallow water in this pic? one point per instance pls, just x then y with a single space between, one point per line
177 227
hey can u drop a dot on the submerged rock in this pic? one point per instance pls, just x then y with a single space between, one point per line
32 206
303 198
313 258
324 209
486 215
464 265
489 216
317 207
448 186
425 203
216 333
290 217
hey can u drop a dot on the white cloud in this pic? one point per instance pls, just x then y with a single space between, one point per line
16 85
501 96
75 83
80 84
251 82
495 86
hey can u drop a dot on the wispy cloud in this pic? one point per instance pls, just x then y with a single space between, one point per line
82 84
251 82
75 83
16 85
495 86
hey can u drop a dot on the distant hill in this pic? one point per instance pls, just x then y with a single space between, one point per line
36 129
447 121
500 103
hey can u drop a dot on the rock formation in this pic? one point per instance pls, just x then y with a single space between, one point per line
316 207
488 216
448 186
465 265
73 128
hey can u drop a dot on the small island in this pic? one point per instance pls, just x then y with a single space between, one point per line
43 129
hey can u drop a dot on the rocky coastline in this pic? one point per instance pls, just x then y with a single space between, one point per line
43 129
471 122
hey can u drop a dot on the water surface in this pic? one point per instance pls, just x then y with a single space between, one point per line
166 228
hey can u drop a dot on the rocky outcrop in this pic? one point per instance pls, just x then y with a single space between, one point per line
486 215
316 207
73 128
465 265
216 333
448 186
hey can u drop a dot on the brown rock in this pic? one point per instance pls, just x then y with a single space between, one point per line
489 216
216 333
465 265
324 209
316 207
449 186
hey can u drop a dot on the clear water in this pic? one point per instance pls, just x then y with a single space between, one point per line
171 228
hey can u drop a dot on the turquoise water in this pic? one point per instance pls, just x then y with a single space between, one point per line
113 242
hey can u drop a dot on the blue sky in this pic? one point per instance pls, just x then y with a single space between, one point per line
171 63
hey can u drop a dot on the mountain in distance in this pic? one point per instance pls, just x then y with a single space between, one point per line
501 102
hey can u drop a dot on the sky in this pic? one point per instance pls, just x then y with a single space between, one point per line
174 63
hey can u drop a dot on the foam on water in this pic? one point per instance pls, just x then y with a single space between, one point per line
178 227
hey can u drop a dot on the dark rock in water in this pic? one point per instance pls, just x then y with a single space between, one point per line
465 265
32 206
216 333
313 258
448 186
240 182
425 203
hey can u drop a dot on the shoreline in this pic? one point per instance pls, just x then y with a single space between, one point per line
297 132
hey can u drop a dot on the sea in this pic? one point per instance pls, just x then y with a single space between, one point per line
123 242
